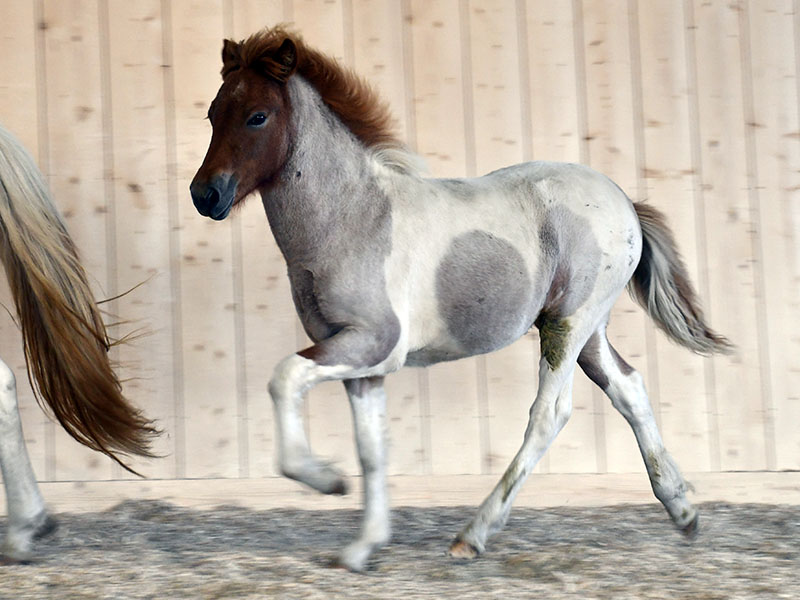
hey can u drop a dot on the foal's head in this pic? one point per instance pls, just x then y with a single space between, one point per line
249 118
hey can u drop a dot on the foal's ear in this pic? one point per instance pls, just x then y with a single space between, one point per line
230 57
283 62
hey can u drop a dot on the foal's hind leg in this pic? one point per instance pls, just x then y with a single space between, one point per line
368 402
624 386
27 516
548 415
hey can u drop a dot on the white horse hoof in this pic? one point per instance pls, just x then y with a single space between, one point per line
354 557
18 545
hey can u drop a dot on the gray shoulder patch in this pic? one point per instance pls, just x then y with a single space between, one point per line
484 292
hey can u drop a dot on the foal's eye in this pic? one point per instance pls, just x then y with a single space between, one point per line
257 120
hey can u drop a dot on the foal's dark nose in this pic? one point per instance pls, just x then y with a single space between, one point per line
214 198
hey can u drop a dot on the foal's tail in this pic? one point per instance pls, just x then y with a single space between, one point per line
661 285
63 333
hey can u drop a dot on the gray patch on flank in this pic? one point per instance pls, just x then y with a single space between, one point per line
567 240
484 292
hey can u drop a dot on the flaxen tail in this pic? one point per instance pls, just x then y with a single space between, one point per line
66 346
661 285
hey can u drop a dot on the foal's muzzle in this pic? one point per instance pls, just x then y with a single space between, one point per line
214 198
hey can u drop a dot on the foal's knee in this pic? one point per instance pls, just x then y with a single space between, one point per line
289 376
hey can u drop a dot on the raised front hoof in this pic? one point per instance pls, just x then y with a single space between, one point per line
461 549
691 529
324 479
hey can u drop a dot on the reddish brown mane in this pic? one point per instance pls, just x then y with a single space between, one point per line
345 93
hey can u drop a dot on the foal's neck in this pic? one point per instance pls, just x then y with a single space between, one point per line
326 194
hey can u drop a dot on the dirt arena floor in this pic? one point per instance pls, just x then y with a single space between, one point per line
156 550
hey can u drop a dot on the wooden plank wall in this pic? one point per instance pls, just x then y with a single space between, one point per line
692 105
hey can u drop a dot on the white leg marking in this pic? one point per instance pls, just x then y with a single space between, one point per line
26 511
548 415
293 377
368 401
628 395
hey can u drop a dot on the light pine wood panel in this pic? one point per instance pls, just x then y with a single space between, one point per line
555 132
611 150
378 51
553 87
19 107
136 138
329 424
729 232
269 321
440 103
666 178
692 105
776 132
76 171
206 270
507 379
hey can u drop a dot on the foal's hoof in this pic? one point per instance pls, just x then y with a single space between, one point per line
47 528
338 488
461 549
690 530
321 477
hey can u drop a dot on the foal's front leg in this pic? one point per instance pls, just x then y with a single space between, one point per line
368 402
293 377
350 354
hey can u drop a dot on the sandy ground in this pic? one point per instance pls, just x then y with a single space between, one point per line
156 550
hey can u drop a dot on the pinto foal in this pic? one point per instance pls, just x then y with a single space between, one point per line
389 268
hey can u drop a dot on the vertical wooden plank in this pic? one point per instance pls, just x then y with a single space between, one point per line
555 133
18 113
776 133
729 231
135 66
322 25
76 170
553 87
209 377
270 321
439 104
667 175
612 151
378 57
507 378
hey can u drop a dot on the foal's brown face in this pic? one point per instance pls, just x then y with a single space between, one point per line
250 139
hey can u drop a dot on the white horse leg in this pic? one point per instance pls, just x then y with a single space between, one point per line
293 377
548 415
27 516
368 401
625 387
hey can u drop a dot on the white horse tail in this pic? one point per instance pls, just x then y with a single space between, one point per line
661 285
66 346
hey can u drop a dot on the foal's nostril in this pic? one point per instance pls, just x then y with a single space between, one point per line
212 196
205 197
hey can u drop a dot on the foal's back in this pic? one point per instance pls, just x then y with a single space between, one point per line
476 261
